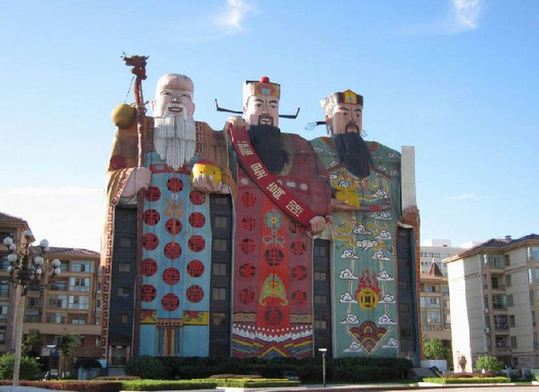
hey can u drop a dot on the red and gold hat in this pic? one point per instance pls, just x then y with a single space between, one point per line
336 98
262 87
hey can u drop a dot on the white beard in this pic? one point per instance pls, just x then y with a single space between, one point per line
174 138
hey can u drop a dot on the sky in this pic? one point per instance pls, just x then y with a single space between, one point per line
457 79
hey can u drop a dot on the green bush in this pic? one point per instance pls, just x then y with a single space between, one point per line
489 363
160 385
467 380
29 369
146 367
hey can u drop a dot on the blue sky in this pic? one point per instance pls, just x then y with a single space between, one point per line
457 79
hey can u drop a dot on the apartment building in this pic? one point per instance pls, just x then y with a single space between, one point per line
70 303
13 227
494 290
434 305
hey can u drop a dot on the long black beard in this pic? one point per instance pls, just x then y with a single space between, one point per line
267 143
354 153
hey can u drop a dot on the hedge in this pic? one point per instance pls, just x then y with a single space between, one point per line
157 385
342 369
71 385
467 380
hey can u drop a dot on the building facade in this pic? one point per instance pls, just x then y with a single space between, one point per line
68 304
494 301
434 305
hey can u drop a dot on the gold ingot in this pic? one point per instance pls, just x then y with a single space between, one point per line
213 171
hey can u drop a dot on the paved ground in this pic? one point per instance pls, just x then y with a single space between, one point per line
341 388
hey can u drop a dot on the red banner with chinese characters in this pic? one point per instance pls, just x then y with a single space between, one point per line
267 182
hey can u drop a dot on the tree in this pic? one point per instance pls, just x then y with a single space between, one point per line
67 345
32 344
489 363
29 367
434 349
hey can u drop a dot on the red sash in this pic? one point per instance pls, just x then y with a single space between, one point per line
267 182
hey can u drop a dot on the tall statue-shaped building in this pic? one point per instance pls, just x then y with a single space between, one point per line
372 248
282 200
159 235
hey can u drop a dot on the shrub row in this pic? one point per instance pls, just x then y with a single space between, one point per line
158 385
68 385
342 369
467 380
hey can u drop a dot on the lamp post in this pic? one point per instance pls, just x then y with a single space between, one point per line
25 267
51 348
323 351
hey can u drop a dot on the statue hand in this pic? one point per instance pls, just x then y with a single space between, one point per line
206 183
138 179
237 121
318 224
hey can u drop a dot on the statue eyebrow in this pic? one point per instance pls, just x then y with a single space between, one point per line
273 101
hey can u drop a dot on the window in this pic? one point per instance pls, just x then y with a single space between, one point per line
125 242
510 300
404 308
320 251
56 318
80 320
320 324
64 266
530 294
495 283
320 276
533 318
33 302
533 253
2 335
496 261
221 222
501 322
123 292
124 318
82 266
220 245
79 284
511 321
513 342
3 263
124 267
59 285
320 299
499 301
4 287
434 317
98 304
508 280
4 310
218 319
219 294
78 302
222 200
57 301
501 342
445 290
506 260
219 269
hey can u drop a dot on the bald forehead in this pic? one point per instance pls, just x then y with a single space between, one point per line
174 82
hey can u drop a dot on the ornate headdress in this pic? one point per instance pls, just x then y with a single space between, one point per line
336 98
260 87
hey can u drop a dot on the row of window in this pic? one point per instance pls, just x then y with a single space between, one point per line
68 301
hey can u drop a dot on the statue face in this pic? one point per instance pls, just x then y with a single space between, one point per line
262 110
174 97
345 117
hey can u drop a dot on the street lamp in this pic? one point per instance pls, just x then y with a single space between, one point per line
25 267
51 348
323 351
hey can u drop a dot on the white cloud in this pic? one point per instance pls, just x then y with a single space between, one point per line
466 13
463 17
234 15
67 216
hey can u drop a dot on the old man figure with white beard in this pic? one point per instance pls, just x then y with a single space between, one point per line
182 161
